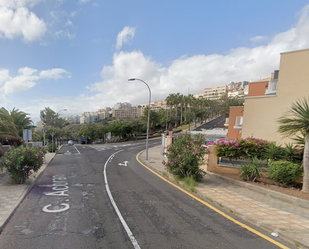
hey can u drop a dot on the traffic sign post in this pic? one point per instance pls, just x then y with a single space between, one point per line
44 131
52 134
27 135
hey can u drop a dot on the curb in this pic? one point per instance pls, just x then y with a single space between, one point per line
25 194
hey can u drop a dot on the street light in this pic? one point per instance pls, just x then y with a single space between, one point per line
132 79
61 111
60 123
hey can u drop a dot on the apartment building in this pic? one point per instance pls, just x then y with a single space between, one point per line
267 101
215 92
73 119
93 117
237 89
155 106
198 95
124 105
127 112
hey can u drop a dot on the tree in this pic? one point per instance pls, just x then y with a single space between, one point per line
182 103
226 102
89 131
170 102
296 121
12 125
51 118
177 100
153 119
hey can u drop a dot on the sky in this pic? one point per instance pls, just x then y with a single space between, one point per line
78 55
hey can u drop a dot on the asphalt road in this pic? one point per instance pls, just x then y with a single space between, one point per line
73 203
213 124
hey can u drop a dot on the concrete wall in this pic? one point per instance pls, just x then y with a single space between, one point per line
261 113
211 164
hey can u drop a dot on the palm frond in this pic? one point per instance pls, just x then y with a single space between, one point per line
296 119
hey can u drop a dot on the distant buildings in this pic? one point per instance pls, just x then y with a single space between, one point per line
121 105
73 119
92 117
127 112
215 92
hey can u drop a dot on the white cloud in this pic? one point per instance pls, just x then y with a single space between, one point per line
27 78
64 34
14 4
55 74
68 23
258 39
84 1
124 36
21 22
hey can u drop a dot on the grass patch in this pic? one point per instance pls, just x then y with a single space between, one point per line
177 179
10 182
190 182
164 174
183 127
209 199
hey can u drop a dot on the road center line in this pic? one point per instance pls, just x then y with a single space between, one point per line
123 222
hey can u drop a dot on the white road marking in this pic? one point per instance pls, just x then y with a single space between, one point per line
76 149
123 164
123 222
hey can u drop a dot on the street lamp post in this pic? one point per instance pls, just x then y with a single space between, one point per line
60 125
132 79
61 111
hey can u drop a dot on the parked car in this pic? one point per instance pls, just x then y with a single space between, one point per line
70 142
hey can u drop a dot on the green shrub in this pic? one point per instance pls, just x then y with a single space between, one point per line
252 171
185 156
241 148
294 153
51 148
284 172
274 152
21 162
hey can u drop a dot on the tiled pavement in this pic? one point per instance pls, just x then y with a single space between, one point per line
11 194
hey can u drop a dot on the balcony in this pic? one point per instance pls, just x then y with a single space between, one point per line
272 87
238 123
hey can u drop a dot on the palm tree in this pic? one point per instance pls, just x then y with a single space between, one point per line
176 103
170 99
294 122
170 102
12 125
182 103
21 120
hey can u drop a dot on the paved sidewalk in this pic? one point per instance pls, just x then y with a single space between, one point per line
275 213
12 194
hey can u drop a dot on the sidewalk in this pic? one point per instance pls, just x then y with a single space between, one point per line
12 195
281 214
